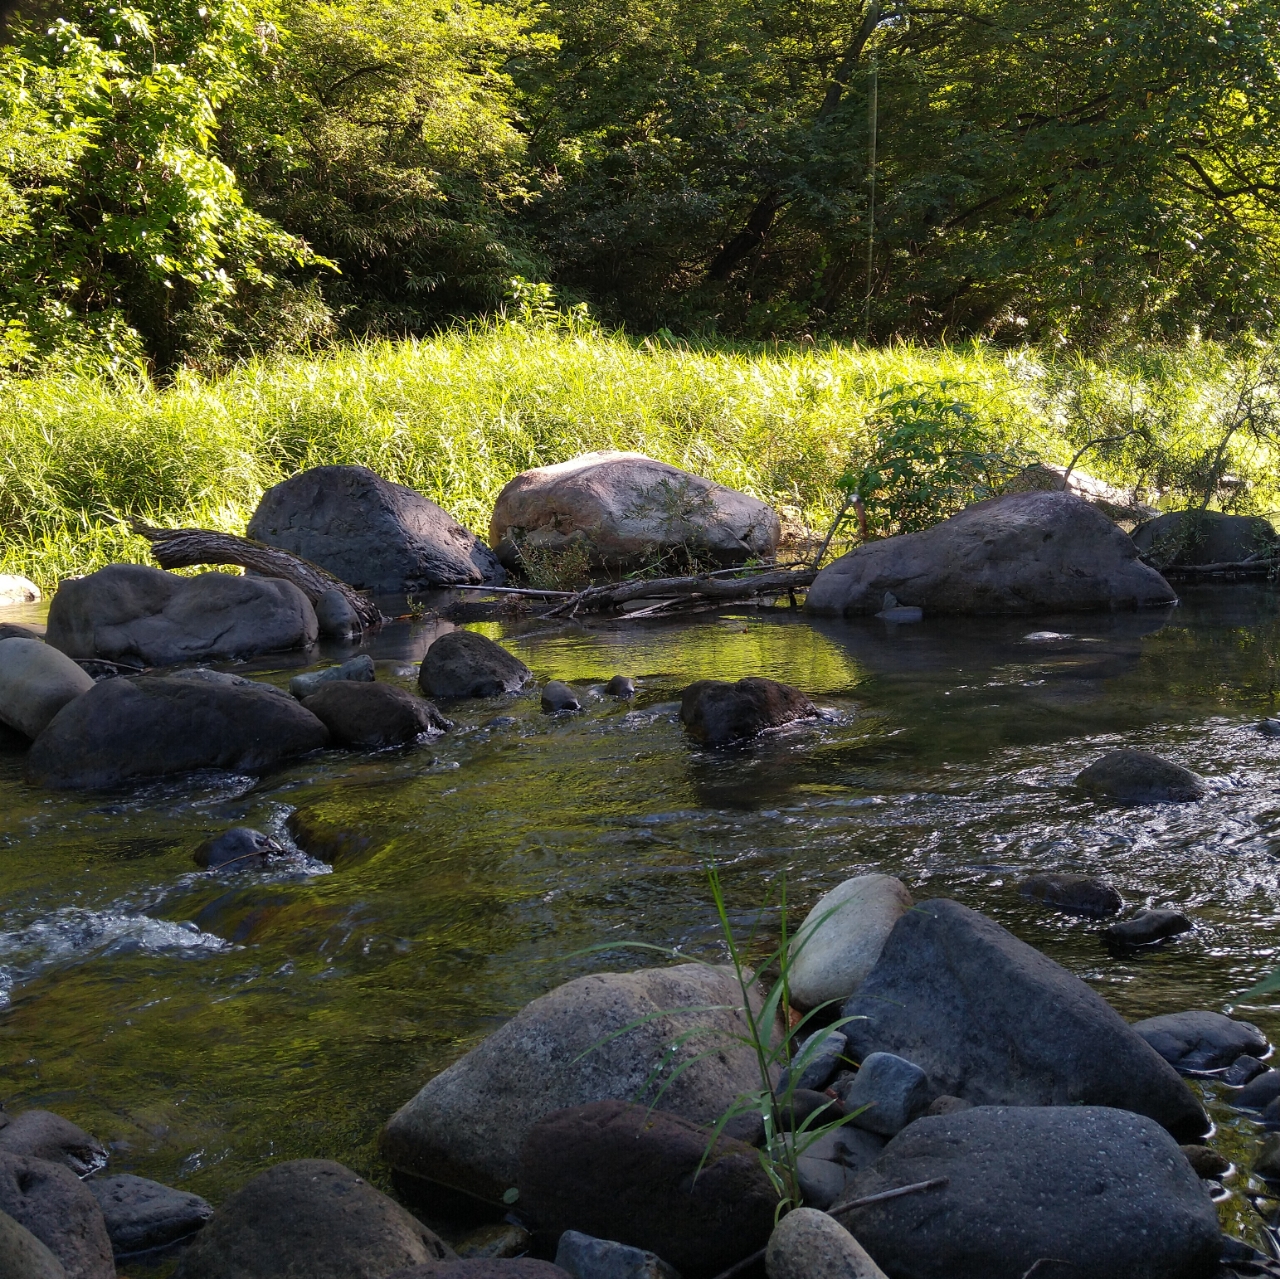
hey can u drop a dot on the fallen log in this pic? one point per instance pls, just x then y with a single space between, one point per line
189 547
703 587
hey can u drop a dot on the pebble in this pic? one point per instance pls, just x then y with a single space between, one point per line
805 1102
1148 926
621 686
358 668
558 696
822 1181
1206 1161
585 1257
948 1105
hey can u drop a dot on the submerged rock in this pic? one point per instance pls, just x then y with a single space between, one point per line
1201 1040
1139 777
1024 553
373 716
139 727
468 664
1204 537
43 1135
23 1256
358 669
715 712
142 1214
1075 894
51 1202
1147 926
36 682
621 686
992 1020
370 533
313 1218
466 1126
1107 1189
144 616
239 848
807 1244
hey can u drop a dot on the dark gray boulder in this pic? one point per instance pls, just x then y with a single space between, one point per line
1075 894
1204 537
240 848
1197 1041
335 616
1024 553
886 1094
36 682
1259 1092
23 1256
468 664
558 696
1139 777
44 1135
373 716
992 1020
358 669
624 1172
621 686
1105 1190
313 1218
138 727
1147 926
142 616
370 533
142 1214
51 1202
715 712
484 1268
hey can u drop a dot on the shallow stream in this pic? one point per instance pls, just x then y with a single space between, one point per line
206 1025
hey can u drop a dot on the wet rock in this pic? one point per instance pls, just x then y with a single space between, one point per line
505 1239
1242 1070
1075 894
1147 926
468 664
1107 1189
886 1094
23 1256
327 840
370 533
1138 777
11 630
842 936
138 727
1205 1163
483 1268
630 510
816 1060
946 1105
1204 537
43 1135
1259 1092
358 670
1024 553
715 712
625 686
142 1214
17 590
807 1244
335 616
50 1201
1270 727
992 1020
638 1176
559 697
239 848
373 716
1267 1162
466 1126
137 615
1201 1040
36 682
584 1257
308 1217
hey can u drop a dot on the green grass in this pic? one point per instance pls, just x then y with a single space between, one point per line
457 416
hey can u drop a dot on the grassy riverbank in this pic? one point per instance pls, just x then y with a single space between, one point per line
456 416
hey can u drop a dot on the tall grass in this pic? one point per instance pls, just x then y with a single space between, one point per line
457 416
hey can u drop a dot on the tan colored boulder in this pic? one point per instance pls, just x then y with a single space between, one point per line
36 682
808 1244
17 590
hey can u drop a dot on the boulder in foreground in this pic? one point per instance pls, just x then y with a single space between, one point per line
1023 553
1106 1190
1139 777
142 616
312 1218
466 1126
716 712
370 533
52 1203
808 1244
630 510
36 682
23 1256
992 1020
468 664
146 726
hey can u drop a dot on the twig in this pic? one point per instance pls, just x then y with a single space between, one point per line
1045 1261
507 590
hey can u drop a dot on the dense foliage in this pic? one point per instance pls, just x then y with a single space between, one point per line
189 180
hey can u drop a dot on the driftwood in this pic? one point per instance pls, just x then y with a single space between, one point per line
188 547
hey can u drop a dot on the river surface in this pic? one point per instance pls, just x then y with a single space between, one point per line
206 1026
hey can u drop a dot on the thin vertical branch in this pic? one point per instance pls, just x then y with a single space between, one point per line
873 112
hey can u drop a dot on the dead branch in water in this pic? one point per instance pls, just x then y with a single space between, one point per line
189 547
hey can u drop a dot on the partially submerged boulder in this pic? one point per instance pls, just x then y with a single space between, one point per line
466 1126
142 1214
240 848
630 510
1186 538
145 726
992 1020
373 716
1201 1040
36 682
715 712
1139 777
468 664
1075 894
1107 1190
142 616
370 533
1022 553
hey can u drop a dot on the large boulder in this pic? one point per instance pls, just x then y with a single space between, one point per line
23 1256
142 1214
373 716
842 936
1102 1192
468 664
370 533
609 1036
630 510
1022 553
991 1020
36 682
144 726
142 616
1205 537
52 1203
715 712
312 1218
646 1178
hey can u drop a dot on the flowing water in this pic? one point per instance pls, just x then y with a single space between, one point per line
208 1025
